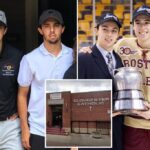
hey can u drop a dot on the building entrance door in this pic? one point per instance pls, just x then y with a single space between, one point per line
57 115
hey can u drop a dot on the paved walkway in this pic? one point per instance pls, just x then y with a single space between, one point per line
85 140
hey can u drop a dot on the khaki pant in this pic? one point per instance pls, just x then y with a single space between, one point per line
10 138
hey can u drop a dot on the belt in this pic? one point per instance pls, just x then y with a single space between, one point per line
13 116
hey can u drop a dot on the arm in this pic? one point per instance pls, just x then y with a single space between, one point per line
74 148
22 111
116 114
144 114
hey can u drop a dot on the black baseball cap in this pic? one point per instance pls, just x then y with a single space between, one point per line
108 17
144 10
51 13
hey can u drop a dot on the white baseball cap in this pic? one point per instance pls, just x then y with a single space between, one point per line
3 18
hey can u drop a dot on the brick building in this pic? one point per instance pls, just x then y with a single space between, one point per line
84 112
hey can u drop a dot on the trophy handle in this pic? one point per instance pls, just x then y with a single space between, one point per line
142 80
115 71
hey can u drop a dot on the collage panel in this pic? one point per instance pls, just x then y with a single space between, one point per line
113 42
78 113
92 41
36 40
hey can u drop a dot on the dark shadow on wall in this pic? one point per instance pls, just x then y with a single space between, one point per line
22 17
68 11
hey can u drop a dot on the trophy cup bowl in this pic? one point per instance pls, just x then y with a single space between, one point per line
128 93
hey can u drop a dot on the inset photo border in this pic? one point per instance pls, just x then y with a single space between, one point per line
78 113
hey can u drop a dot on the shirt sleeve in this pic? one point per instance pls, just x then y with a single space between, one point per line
117 45
25 73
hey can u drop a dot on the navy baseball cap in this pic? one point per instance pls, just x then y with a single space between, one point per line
108 17
51 13
3 20
144 10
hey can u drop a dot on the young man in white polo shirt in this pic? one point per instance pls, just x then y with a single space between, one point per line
49 61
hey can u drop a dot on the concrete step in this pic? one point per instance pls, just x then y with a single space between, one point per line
55 131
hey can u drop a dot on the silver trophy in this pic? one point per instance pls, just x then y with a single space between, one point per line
128 93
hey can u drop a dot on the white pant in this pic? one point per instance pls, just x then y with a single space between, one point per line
10 138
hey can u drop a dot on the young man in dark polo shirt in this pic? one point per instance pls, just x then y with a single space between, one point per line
9 65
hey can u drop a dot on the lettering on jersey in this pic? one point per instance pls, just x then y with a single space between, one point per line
139 63
8 70
124 50
147 81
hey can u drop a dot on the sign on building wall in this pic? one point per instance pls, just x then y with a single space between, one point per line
90 101
55 99
55 96
55 102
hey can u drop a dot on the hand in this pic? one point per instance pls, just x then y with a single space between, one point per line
74 148
14 116
86 50
144 114
26 138
116 114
